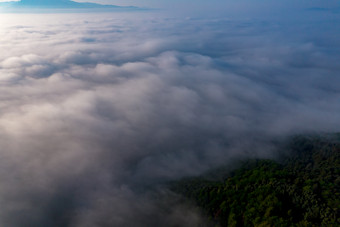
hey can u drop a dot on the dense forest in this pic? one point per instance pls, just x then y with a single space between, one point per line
300 189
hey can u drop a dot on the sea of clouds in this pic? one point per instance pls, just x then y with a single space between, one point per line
98 110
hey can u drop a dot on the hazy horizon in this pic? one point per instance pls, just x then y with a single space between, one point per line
220 7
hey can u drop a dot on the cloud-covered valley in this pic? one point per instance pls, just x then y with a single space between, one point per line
97 111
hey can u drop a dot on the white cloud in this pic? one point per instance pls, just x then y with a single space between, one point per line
96 107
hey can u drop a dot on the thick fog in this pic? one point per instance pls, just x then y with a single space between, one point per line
98 110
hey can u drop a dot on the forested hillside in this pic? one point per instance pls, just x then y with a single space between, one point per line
302 189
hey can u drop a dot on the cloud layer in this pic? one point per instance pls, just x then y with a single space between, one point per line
98 110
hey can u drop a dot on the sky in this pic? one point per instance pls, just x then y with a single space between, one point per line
219 5
99 111
216 3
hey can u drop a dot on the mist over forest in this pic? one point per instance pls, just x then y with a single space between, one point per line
98 111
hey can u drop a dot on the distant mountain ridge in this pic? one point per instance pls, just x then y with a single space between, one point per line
58 4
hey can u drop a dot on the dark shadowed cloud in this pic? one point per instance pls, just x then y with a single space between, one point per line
97 111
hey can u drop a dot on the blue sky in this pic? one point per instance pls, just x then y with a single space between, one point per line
243 8
217 3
